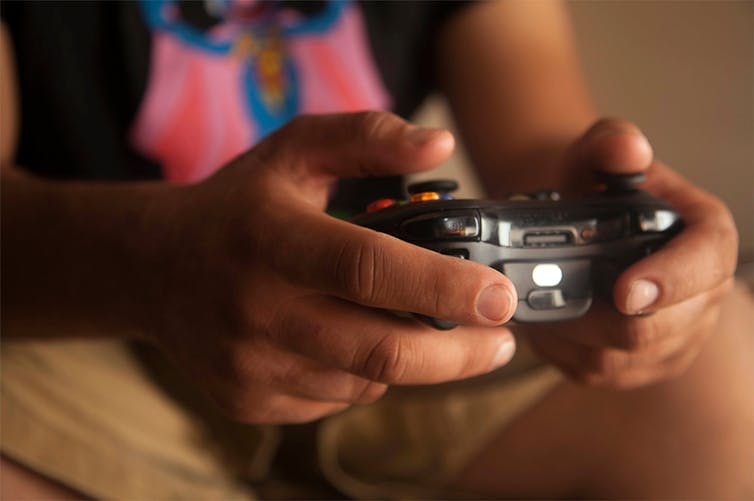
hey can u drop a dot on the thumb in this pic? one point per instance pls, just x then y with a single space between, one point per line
371 143
611 145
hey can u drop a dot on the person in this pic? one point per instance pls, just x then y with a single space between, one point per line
276 309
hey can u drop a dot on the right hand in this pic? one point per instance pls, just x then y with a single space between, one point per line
278 309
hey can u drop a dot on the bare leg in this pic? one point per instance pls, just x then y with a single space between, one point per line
691 438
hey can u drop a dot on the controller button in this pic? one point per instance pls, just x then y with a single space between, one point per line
442 228
546 275
425 196
546 300
550 299
380 204
438 185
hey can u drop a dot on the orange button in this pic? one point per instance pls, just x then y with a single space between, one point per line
425 196
380 204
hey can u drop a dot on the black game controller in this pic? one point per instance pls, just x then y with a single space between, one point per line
558 253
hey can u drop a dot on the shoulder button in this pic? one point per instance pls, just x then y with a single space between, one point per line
442 186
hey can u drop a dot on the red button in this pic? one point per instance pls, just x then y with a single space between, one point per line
380 204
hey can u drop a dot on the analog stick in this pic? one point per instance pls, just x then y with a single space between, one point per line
620 183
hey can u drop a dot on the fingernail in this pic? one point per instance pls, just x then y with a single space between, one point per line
494 303
504 353
419 136
641 295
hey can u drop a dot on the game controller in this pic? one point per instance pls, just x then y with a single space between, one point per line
558 253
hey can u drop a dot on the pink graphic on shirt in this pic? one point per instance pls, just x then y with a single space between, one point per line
192 119
337 70
195 115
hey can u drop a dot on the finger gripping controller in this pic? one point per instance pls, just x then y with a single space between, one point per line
558 253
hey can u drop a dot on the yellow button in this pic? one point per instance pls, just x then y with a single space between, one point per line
425 196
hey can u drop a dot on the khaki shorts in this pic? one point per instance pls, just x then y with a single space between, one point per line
115 421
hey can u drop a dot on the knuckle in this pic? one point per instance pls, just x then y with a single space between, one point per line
447 296
435 298
386 361
370 124
368 127
357 268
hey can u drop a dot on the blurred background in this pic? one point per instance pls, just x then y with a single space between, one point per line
681 70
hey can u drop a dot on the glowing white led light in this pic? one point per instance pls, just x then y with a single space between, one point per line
547 275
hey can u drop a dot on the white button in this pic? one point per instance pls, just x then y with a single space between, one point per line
547 275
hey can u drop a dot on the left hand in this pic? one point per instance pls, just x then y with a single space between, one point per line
666 305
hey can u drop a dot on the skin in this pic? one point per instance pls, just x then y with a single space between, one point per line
686 437
255 311
682 425
211 274
536 74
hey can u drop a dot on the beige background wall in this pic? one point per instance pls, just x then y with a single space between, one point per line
682 70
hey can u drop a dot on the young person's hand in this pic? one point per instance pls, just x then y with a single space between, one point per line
666 305
277 309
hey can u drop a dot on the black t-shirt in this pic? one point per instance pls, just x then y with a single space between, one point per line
86 70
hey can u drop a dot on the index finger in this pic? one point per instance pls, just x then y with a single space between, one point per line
700 258
388 349
375 269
